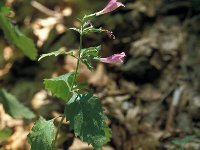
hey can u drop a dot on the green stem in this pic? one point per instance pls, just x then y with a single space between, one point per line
74 78
79 54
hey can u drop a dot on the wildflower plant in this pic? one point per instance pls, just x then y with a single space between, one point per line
82 109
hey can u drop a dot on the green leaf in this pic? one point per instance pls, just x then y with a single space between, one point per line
56 53
88 120
60 86
82 87
91 29
88 55
14 36
5 10
182 141
41 135
13 107
5 133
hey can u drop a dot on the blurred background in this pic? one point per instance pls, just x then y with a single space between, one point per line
152 100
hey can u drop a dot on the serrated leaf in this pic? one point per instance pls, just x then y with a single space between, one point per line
56 53
13 107
91 29
41 135
87 119
60 86
88 55
14 36
183 141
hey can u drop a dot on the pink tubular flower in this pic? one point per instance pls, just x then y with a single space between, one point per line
114 59
112 5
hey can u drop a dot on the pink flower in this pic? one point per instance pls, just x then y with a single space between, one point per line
114 59
112 5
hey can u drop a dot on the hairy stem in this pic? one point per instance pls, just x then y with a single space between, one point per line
79 54
74 79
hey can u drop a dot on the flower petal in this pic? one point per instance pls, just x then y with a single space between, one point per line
112 5
114 59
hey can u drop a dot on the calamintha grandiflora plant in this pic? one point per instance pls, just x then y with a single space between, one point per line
82 109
